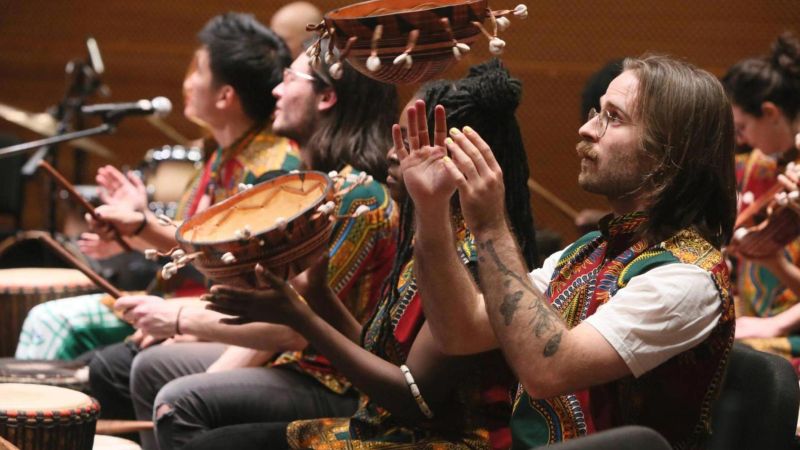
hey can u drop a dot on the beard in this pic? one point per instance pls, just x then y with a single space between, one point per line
620 176
298 124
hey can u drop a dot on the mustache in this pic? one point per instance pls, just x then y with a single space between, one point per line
585 149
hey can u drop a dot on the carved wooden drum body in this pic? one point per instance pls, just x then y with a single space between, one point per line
38 417
276 223
22 289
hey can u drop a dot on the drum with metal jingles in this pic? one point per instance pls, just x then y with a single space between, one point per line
283 223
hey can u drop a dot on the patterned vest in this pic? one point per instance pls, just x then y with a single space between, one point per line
676 397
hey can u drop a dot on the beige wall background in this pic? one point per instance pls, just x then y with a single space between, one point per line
146 46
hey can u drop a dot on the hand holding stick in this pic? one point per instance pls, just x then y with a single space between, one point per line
76 196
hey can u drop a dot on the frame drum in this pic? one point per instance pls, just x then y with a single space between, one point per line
288 230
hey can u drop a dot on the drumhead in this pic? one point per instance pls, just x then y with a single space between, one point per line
39 371
41 279
38 397
103 442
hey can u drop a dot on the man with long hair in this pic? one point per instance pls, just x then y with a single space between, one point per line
337 126
628 325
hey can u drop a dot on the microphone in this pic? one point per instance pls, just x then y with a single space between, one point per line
159 106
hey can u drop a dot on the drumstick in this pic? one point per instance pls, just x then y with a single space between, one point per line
108 426
561 205
757 205
101 282
79 198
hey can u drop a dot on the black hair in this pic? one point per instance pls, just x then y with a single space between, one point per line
248 56
771 78
486 100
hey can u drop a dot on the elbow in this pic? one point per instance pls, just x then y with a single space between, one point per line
453 347
542 385
461 343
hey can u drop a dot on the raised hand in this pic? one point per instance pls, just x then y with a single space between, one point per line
121 190
426 179
280 304
479 179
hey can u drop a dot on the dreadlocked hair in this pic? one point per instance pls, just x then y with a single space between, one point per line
486 100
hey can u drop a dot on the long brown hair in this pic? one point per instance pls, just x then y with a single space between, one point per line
357 130
687 128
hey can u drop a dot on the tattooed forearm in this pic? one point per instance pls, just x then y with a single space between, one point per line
489 247
509 306
544 320
551 347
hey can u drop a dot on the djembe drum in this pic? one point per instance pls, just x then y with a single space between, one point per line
38 417
283 224
66 374
104 442
22 289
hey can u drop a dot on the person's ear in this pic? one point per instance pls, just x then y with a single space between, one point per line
226 97
771 111
327 99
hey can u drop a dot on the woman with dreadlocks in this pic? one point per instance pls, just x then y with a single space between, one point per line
448 402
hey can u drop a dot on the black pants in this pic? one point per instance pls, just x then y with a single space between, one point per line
174 375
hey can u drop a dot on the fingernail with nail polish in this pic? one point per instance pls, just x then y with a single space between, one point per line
467 129
454 131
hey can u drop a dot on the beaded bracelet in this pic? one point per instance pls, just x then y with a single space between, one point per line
426 410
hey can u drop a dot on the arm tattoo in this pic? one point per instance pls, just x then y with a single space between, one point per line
551 347
544 319
509 306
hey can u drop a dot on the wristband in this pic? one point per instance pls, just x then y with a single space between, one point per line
141 225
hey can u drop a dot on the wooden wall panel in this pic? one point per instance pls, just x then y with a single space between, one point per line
146 45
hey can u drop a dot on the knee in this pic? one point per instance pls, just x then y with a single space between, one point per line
143 371
163 410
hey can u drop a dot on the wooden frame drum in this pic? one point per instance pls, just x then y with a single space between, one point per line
276 223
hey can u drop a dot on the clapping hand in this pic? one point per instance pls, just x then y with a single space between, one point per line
426 178
120 190
479 179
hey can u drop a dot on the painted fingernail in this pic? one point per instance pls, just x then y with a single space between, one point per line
467 129
448 141
446 159
454 131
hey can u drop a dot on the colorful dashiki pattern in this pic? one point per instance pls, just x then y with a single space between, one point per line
588 275
759 292
361 252
477 419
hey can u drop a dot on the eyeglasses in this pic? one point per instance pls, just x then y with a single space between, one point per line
603 119
290 75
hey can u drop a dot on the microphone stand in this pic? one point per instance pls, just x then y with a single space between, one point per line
82 83
105 128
